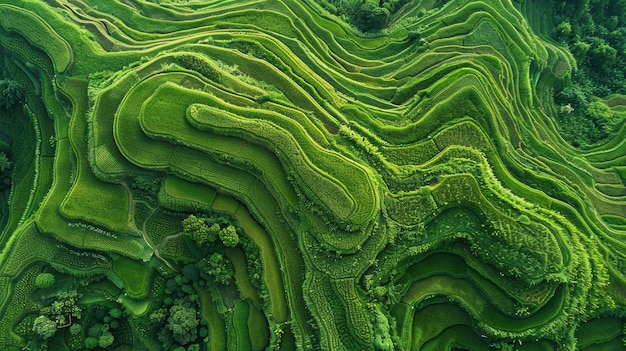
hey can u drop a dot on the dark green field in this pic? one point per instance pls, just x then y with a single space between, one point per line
195 175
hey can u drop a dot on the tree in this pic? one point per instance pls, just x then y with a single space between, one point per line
369 16
183 323
106 340
115 313
213 232
564 29
146 183
191 273
219 268
11 94
64 308
158 316
602 55
75 329
229 236
601 115
44 327
5 164
91 342
198 229
379 292
382 338
44 280
96 330
192 223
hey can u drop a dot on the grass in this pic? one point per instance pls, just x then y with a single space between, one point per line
240 321
271 266
90 199
176 130
137 308
100 203
183 189
248 292
429 322
598 331
209 313
258 329
456 336
136 277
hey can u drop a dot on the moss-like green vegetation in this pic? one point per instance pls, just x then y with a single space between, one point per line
312 175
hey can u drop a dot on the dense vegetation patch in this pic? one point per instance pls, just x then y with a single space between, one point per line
595 33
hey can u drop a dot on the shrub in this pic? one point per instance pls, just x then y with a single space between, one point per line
44 280
11 94
523 219
200 65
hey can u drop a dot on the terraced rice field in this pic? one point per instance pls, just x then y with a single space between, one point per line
402 189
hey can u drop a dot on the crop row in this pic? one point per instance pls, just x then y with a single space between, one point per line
39 33
303 157
174 129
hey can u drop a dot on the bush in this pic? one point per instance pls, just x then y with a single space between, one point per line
44 280
200 65
11 94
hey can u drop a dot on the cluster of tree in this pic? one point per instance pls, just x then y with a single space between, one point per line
364 14
61 312
11 94
200 231
218 267
107 320
595 33
382 336
147 185
177 324
583 123
180 327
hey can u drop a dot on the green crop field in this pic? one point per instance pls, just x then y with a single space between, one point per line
337 175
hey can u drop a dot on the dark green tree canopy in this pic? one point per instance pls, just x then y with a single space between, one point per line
183 322
11 94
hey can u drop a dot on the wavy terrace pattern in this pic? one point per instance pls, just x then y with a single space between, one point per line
403 189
